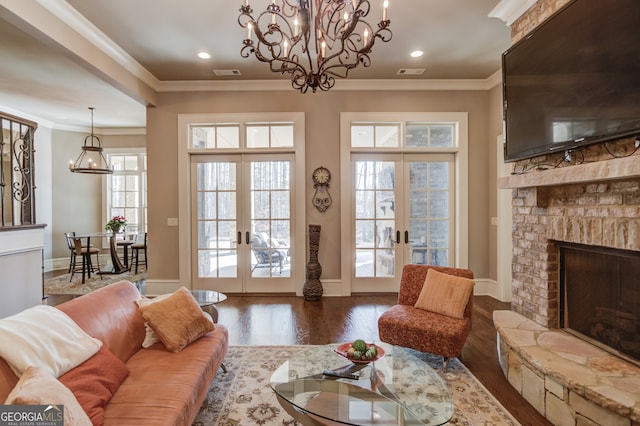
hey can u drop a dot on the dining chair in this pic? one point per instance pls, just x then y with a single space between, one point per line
85 252
72 256
135 252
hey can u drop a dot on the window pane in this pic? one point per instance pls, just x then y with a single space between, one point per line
257 136
438 176
442 136
227 205
207 205
228 137
361 136
131 183
203 137
117 162
282 136
417 136
131 162
388 136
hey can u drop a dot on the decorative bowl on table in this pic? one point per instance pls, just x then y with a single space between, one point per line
345 350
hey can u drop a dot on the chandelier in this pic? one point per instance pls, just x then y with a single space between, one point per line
314 41
91 160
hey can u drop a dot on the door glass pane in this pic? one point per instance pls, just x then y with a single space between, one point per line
374 218
217 227
429 213
270 219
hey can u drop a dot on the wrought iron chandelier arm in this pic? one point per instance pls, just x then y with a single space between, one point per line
328 27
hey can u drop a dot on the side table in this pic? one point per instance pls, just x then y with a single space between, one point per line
207 300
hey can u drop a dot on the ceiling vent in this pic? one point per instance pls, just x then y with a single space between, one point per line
410 71
226 72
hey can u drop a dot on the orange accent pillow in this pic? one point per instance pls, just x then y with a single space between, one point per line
177 320
37 386
445 294
95 381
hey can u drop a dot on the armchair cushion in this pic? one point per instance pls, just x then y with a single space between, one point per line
445 294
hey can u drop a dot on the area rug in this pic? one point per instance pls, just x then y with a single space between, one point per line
61 285
242 395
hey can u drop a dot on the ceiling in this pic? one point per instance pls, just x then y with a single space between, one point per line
44 76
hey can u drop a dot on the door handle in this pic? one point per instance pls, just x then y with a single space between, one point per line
247 239
397 237
406 237
239 240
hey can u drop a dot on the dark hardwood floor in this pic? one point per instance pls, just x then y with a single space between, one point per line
290 320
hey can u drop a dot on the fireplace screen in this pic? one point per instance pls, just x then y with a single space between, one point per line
600 297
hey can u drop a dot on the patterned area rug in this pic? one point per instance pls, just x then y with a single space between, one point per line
61 284
242 396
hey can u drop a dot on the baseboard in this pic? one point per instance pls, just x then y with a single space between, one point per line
489 287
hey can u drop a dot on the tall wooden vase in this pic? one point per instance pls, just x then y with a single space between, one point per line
312 289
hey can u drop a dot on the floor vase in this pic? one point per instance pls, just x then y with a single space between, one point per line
312 289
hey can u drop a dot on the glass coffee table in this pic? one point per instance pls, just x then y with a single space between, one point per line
398 389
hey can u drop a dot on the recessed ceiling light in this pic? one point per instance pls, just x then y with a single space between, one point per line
203 55
417 53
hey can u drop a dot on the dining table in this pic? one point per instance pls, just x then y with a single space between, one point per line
117 267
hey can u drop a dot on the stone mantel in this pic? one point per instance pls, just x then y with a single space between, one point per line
617 168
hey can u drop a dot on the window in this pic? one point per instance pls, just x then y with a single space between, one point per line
127 189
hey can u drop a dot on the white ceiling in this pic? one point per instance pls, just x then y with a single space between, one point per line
158 40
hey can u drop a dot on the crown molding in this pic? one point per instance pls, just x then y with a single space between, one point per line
510 10
341 85
106 131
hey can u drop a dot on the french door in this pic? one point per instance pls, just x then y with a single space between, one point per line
402 212
241 222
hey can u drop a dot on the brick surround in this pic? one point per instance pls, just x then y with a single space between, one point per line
595 213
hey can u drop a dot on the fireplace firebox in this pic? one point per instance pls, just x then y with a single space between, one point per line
600 297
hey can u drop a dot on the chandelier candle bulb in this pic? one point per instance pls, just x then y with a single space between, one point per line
249 31
286 48
323 47
365 36
385 8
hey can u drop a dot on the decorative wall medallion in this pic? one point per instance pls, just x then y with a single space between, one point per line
321 199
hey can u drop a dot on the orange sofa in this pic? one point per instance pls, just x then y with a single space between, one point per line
163 388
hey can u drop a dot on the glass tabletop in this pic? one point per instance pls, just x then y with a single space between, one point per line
399 388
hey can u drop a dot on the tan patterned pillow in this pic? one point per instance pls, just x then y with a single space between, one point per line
445 294
177 320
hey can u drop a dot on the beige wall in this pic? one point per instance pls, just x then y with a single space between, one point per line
495 130
322 119
77 198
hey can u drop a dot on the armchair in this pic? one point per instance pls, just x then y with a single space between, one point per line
406 325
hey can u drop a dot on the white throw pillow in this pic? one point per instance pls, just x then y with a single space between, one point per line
46 337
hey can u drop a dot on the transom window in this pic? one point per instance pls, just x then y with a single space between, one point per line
242 135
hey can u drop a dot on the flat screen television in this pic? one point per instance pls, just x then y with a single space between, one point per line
574 80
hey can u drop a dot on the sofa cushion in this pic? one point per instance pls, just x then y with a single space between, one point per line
445 294
46 337
38 387
178 320
167 388
95 381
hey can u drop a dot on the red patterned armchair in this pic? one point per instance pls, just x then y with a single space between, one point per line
424 330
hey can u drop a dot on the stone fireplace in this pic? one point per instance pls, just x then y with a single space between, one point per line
593 203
